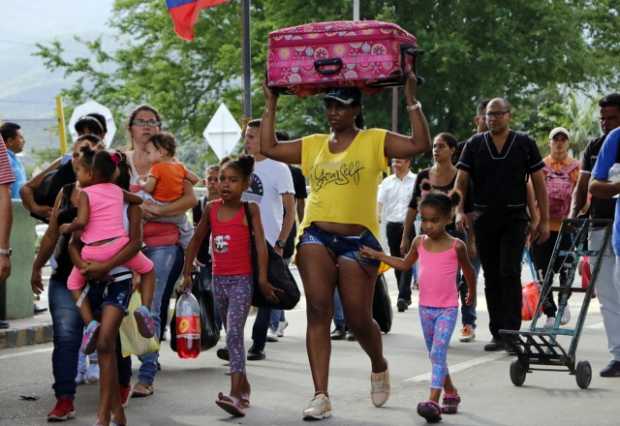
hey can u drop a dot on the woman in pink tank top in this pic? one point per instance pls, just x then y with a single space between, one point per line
439 257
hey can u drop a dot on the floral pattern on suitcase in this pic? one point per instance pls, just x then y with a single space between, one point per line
307 59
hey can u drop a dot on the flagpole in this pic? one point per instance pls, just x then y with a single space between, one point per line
247 62
60 119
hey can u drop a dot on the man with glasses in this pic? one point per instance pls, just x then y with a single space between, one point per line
499 163
607 286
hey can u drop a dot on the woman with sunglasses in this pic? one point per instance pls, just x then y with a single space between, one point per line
161 239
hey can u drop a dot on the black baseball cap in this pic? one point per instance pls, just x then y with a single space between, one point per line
344 95
91 123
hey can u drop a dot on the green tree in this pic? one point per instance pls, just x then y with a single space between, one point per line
514 48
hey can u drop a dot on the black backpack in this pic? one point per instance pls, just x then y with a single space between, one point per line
45 194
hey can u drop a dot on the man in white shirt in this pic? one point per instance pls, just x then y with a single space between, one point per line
271 187
393 200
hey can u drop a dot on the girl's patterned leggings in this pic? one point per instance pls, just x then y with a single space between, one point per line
437 326
233 295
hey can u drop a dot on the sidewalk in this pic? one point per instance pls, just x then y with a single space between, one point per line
30 331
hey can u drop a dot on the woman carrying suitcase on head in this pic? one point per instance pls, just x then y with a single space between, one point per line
343 168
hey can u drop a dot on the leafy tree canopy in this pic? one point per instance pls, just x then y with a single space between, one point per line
536 53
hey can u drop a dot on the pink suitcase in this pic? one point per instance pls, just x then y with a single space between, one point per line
308 59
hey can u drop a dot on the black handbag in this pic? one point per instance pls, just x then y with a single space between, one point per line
278 275
382 305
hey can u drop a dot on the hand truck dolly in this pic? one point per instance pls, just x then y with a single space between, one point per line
540 346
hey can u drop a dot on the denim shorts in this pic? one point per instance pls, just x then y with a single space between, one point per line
341 245
115 292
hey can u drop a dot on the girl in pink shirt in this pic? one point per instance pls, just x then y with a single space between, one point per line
100 218
439 257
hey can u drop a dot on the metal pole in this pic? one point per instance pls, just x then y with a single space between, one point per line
247 61
356 10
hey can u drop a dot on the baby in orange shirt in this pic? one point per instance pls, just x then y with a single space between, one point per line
166 178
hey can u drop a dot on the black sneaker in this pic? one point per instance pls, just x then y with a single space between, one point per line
338 334
255 354
612 370
494 346
402 305
350 336
222 353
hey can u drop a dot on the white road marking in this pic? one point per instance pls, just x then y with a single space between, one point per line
26 353
596 326
426 377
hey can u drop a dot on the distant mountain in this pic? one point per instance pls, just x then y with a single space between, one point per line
27 88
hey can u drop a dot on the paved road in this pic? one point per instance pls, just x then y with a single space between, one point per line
185 390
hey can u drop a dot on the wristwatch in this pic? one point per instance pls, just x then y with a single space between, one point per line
6 252
280 244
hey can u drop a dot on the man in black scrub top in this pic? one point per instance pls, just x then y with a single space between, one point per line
499 162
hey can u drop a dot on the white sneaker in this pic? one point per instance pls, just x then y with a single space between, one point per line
319 408
92 374
272 335
550 322
281 327
565 316
380 388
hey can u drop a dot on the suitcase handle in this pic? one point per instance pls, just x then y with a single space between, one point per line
319 65
408 49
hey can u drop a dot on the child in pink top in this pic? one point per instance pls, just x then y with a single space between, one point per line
100 220
439 257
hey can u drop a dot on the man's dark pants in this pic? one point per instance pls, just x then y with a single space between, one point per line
394 231
500 239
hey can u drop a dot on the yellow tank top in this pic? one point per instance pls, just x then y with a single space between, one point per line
343 186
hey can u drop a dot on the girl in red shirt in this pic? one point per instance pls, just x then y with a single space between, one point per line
225 219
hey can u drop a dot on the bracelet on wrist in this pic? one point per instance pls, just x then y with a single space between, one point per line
414 107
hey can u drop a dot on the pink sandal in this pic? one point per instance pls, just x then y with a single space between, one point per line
450 403
230 404
430 410
245 400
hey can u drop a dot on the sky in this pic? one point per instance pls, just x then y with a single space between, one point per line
27 88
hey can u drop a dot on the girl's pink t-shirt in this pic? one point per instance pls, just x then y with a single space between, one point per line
437 274
105 221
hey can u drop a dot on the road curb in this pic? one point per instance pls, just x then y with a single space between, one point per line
15 338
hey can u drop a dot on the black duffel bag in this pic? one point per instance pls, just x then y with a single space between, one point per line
382 305
278 275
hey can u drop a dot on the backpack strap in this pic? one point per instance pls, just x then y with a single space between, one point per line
248 216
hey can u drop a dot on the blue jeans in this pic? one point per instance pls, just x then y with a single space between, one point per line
67 324
468 313
341 245
165 258
277 316
339 319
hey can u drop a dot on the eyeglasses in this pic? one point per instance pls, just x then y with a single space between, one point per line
496 114
146 123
